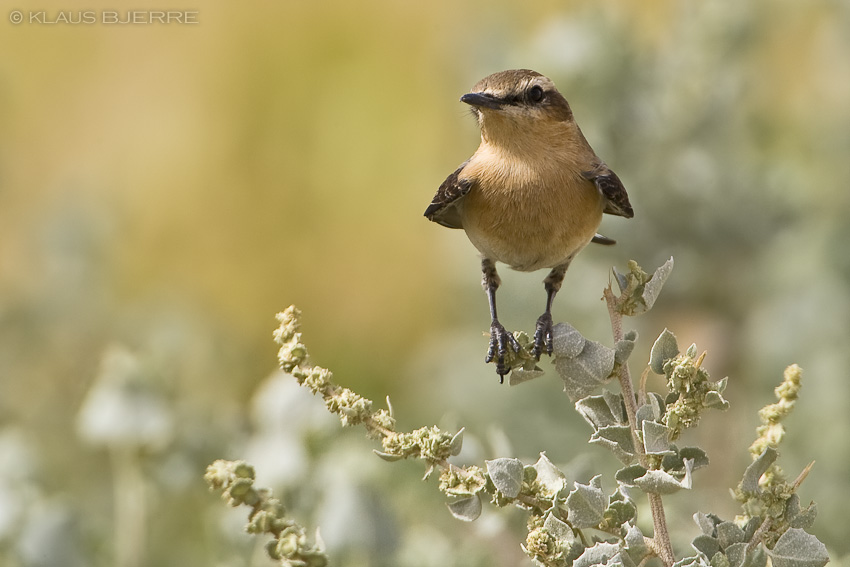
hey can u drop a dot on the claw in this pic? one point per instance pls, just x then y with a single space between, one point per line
543 341
500 339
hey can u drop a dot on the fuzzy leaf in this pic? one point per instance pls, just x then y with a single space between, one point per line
656 438
635 542
665 348
695 454
695 561
549 476
596 411
566 341
715 400
736 554
756 557
622 280
520 375
706 523
656 481
558 529
623 349
620 511
466 509
389 457
627 475
804 518
618 439
750 527
585 372
587 504
617 405
753 558
506 475
457 443
620 560
728 533
655 283
652 410
750 482
600 554
706 545
796 548
676 461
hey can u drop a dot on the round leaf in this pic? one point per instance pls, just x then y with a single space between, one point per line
506 475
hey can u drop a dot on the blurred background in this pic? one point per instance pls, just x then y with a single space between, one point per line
165 189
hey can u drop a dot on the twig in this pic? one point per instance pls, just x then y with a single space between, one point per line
756 539
661 536
642 388
801 477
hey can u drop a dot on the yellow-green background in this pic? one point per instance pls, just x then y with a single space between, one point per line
169 188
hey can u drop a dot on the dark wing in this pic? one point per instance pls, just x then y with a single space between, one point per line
616 198
602 239
443 208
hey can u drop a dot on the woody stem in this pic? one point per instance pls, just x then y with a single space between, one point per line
661 536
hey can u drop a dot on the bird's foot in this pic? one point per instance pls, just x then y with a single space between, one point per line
500 340
543 341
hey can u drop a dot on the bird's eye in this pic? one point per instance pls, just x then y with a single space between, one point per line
535 93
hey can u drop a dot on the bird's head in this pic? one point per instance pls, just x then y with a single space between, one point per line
510 103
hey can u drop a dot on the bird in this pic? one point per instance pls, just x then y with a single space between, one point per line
532 195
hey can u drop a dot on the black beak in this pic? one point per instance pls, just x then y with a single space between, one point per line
482 100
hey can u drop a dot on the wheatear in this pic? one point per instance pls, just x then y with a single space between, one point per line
532 195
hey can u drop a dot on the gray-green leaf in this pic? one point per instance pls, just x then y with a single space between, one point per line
635 542
698 560
549 476
558 529
466 509
652 410
587 504
715 400
586 371
656 438
623 349
706 522
656 481
618 439
566 341
755 557
457 443
664 348
695 454
597 412
389 457
736 554
801 518
750 482
655 283
600 554
506 475
796 548
520 375
706 544
618 407
728 533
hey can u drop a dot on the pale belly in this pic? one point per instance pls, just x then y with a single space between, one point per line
537 229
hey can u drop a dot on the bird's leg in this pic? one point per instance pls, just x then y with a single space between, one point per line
543 334
500 339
